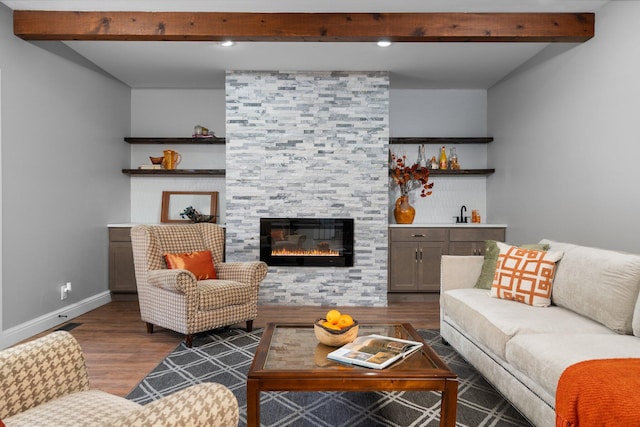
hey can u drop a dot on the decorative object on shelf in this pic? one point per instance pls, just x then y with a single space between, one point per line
453 159
408 178
156 164
202 132
421 161
434 163
195 216
171 159
444 164
204 202
156 160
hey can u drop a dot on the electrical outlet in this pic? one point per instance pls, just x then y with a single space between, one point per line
64 290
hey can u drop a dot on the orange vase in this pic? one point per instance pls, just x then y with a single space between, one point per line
404 212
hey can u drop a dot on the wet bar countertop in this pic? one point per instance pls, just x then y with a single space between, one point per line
450 225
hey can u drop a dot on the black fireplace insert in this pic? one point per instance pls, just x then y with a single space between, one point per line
307 242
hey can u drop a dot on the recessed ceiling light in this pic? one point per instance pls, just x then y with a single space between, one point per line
227 43
384 43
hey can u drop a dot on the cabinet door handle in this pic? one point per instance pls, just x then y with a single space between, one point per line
417 235
416 255
420 255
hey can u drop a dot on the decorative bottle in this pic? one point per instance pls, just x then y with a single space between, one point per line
453 159
443 158
421 161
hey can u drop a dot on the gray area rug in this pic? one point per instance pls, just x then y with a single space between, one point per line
224 356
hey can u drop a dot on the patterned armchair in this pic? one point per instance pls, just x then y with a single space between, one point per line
174 299
44 382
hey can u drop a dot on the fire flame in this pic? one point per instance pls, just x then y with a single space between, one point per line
304 252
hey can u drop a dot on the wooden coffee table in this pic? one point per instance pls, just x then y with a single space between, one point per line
290 358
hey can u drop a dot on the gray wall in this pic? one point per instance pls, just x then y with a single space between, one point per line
442 113
174 113
567 139
62 149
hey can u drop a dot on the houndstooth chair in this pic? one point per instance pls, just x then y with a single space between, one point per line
174 299
44 382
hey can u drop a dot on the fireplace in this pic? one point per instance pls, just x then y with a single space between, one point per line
307 242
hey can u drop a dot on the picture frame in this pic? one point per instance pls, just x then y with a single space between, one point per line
175 202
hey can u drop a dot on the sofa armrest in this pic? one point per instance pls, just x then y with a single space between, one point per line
459 271
252 272
39 371
207 404
177 280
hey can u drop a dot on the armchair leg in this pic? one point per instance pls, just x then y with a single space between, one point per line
149 328
249 325
188 340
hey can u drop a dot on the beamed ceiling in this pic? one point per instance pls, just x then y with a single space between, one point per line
181 49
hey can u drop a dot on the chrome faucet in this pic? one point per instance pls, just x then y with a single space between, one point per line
462 218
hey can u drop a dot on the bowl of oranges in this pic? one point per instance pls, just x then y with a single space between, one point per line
336 329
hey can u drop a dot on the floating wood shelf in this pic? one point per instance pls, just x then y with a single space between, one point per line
435 172
459 172
175 172
176 141
440 141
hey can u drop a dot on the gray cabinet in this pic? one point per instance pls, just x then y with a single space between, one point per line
415 253
122 278
414 259
470 241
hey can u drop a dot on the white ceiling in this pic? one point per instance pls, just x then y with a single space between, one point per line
411 65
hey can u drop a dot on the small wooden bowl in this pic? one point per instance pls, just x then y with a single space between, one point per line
333 337
156 160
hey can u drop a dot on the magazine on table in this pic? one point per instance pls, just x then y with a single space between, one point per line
374 351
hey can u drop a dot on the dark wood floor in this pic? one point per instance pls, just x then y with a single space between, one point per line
120 353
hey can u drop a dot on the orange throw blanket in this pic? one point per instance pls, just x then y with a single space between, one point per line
599 393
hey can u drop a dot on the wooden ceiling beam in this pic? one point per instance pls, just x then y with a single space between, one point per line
304 27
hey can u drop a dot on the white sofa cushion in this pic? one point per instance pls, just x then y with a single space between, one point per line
600 284
543 357
493 322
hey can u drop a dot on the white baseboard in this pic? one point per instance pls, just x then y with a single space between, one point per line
40 324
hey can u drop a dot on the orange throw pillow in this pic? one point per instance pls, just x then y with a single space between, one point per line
199 263
524 275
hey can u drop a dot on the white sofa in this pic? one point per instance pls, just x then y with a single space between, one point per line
522 350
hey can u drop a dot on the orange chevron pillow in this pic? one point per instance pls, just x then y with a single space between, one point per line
525 275
200 263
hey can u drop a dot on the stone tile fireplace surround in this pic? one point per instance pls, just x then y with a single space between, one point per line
310 145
